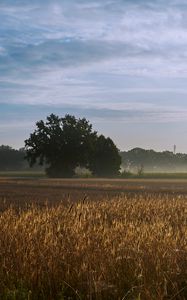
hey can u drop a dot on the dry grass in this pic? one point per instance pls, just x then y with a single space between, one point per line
125 248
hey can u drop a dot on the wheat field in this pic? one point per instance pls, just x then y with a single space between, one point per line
127 247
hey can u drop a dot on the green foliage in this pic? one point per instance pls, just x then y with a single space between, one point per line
106 159
154 162
66 143
61 143
10 159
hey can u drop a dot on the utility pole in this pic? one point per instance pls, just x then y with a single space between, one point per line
174 149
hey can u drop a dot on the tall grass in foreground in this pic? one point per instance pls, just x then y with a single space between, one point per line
126 248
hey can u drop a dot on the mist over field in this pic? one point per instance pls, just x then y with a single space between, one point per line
150 161
134 161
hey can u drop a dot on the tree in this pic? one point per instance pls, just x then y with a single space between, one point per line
66 143
106 159
10 159
62 144
153 161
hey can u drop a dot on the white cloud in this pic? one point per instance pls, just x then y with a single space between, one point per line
112 61
70 52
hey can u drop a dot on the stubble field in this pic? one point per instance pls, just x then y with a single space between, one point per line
93 239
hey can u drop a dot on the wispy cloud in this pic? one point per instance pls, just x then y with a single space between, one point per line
25 116
123 61
132 38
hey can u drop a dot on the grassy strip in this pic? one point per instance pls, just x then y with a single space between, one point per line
165 175
41 174
154 175
22 174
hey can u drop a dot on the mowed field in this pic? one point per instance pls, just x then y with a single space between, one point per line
42 190
93 239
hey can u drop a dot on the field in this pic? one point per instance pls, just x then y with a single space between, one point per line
93 239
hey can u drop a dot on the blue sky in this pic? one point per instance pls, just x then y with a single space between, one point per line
121 64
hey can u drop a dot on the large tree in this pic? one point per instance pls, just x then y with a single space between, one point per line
62 144
66 143
106 160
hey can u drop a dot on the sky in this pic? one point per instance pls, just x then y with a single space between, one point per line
122 64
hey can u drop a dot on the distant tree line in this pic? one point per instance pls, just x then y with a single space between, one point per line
138 159
135 160
62 145
11 159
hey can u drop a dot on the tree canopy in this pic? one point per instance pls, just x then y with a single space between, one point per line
66 143
10 159
106 159
153 161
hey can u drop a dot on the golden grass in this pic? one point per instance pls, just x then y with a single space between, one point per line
125 248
